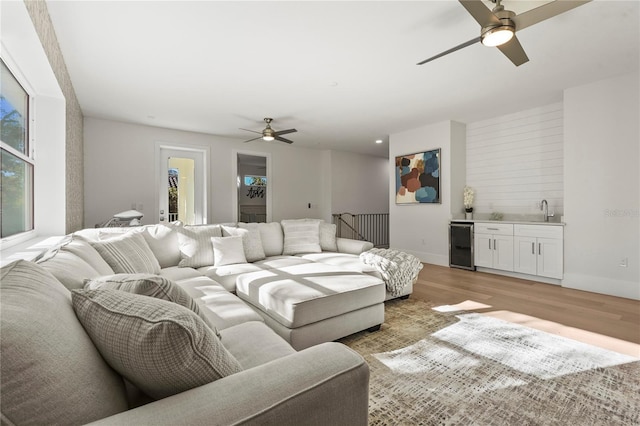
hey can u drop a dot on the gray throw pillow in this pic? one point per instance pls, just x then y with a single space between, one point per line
128 254
149 285
161 347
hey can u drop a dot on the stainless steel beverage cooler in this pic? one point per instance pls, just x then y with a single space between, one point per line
461 245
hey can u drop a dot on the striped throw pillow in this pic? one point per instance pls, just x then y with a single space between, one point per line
149 285
128 254
301 236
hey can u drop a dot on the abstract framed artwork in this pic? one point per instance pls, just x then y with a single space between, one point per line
418 178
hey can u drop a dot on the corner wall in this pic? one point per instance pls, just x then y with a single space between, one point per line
74 155
422 229
602 186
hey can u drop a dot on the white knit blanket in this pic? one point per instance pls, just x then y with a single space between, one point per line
397 268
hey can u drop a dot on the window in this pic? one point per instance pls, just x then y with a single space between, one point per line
255 180
16 174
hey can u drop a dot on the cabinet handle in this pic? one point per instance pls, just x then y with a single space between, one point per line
489 243
494 243
540 248
493 229
533 248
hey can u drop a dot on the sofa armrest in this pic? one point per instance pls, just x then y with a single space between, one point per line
324 384
347 245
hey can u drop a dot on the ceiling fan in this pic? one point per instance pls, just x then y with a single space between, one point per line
499 26
268 134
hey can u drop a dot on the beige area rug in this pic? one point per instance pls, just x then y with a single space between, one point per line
459 368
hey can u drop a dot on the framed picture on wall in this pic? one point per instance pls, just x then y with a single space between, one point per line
418 178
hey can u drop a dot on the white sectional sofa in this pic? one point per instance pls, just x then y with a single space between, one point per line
272 298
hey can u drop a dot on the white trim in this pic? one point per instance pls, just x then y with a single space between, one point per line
234 175
205 153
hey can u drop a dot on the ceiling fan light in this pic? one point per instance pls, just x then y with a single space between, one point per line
497 36
267 138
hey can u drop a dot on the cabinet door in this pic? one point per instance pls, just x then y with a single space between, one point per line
525 254
550 258
483 250
503 252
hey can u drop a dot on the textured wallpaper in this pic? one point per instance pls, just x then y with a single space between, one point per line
74 128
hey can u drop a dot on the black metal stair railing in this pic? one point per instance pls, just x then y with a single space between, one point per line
373 227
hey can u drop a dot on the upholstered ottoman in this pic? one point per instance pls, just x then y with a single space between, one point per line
314 303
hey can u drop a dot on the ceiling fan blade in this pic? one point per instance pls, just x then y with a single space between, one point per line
284 132
544 12
480 12
278 138
254 139
458 47
252 131
514 51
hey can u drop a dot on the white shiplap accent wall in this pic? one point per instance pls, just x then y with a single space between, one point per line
514 161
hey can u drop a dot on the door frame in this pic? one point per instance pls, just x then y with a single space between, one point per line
204 153
234 174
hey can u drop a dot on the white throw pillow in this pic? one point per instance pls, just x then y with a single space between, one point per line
270 234
301 236
228 250
328 241
163 241
195 245
251 241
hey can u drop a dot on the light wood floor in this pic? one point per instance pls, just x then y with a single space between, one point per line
606 321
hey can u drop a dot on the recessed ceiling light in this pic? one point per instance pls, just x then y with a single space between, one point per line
379 141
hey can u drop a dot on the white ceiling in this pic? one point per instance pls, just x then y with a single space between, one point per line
343 73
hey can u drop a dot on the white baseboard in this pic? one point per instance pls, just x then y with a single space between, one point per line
602 285
520 275
435 259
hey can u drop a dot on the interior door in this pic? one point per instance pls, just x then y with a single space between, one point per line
182 186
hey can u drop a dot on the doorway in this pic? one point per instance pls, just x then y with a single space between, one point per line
254 187
182 194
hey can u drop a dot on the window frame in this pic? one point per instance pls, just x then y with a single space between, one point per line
28 157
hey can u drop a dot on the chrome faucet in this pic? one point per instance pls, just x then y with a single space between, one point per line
544 206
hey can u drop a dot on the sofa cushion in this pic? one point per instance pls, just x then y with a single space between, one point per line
176 273
148 285
163 242
159 346
222 308
51 371
328 240
128 254
270 234
226 275
84 250
276 262
69 269
299 295
254 343
195 245
228 251
346 261
301 236
251 242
